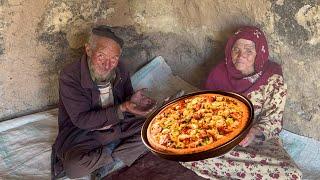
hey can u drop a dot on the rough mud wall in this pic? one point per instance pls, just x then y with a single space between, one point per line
38 39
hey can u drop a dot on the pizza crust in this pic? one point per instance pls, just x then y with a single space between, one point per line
217 143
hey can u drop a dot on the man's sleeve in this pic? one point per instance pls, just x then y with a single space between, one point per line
128 89
78 107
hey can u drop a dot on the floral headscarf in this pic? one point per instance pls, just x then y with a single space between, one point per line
226 77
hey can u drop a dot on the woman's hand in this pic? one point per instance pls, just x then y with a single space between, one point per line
250 137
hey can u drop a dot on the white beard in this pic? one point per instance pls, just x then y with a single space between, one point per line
98 77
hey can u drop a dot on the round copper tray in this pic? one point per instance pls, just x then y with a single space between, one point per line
215 152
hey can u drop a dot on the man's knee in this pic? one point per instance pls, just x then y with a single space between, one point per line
75 169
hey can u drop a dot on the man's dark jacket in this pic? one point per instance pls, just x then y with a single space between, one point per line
80 113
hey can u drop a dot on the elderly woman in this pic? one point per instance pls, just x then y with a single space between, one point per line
248 71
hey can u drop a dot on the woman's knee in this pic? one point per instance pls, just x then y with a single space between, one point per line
296 173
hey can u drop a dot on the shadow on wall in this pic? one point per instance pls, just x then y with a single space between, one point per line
188 61
61 55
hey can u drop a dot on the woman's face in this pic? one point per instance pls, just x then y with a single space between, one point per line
243 55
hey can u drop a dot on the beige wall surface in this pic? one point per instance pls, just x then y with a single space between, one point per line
38 38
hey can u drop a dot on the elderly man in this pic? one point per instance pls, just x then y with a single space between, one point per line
99 115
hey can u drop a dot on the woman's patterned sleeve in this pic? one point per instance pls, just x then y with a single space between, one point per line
270 118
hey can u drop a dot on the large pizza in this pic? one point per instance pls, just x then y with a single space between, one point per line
197 124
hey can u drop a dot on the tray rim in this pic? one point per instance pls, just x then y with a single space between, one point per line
184 157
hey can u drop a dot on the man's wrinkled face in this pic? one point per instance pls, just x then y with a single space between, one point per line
243 56
104 55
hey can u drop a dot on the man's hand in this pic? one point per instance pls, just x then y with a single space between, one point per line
139 104
128 106
250 137
142 101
